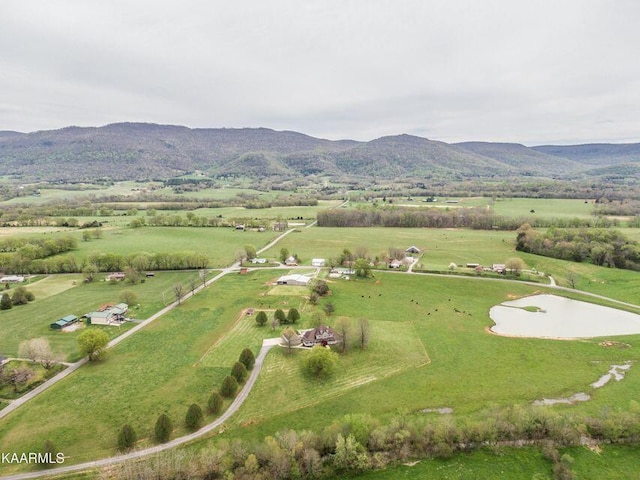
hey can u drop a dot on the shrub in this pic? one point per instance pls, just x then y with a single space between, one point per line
293 315
239 372
194 417
215 403
163 428
5 302
247 358
261 318
280 316
229 387
126 438
321 362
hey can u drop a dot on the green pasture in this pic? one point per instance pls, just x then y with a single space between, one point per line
543 207
439 247
177 360
429 349
24 322
52 194
271 213
610 462
224 193
219 244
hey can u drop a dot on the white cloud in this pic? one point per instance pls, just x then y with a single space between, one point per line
538 72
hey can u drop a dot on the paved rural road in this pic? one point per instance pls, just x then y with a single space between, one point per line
235 405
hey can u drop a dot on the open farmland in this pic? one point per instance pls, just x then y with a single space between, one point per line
75 297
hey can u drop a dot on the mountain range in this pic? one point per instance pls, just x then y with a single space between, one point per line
142 151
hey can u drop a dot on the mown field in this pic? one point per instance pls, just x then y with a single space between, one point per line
440 247
423 354
60 295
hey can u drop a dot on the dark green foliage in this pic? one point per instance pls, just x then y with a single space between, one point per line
50 450
247 358
293 315
329 308
21 296
284 254
194 417
229 387
261 318
604 247
239 372
280 316
362 268
5 302
320 362
163 428
214 405
92 342
320 288
126 438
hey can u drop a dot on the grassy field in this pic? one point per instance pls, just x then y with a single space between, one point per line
306 212
440 247
163 368
610 463
32 321
423 354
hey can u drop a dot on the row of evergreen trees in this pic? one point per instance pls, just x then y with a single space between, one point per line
194 417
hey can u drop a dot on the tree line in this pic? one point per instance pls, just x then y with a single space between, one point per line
475 218
604 247
103 262
358 443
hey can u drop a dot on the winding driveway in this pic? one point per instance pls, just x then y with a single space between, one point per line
233 408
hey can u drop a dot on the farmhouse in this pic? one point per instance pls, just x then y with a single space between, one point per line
395 263
64 322
12 279
412 250
108 316
317 262
321 335
298 280
259 261
499 268
291 261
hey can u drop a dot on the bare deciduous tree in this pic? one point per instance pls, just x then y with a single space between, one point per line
178 291
39 350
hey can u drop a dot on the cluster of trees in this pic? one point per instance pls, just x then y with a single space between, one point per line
604 247
279 317
476 218
20 296
36 350
194 417
33 248
358 443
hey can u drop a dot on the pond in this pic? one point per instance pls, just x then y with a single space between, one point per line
550 316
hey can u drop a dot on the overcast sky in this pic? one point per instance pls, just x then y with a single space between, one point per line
549 71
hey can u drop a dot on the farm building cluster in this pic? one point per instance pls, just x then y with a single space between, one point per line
114 315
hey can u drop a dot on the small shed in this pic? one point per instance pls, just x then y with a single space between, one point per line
412 250
64 322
